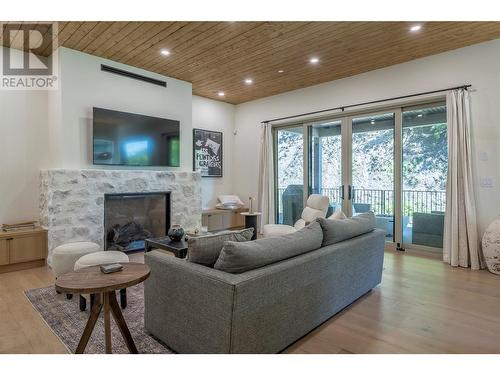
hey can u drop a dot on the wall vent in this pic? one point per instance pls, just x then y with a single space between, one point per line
110 69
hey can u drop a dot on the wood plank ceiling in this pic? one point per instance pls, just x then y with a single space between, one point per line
219 56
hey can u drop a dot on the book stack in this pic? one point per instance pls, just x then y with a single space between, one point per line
19 226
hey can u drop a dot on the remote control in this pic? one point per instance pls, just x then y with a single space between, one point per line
110 268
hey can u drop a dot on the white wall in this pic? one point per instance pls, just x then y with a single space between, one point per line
83 85
478 65
23 152
213 115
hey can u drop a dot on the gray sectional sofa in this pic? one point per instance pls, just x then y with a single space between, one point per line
198 309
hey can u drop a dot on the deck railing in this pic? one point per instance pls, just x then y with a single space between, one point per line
381 202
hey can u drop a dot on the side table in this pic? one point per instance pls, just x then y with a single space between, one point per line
179 248
251 221
90 280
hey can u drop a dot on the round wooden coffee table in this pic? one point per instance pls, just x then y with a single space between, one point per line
90 280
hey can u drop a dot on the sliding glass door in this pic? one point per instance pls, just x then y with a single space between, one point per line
325 161
424 171
391 162
289 174
372 176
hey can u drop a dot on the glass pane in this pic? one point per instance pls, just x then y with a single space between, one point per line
325 162
289 174
425 163
373 169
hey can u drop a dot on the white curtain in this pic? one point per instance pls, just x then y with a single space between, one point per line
266 176
460 242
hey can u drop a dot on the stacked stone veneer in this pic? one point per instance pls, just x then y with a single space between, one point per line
72 201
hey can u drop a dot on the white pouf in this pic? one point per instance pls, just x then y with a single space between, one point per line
101 257
65 256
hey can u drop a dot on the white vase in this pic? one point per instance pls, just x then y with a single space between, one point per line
491 246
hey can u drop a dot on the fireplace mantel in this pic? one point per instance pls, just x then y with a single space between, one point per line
72 200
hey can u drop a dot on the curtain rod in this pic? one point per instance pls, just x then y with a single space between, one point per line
342 108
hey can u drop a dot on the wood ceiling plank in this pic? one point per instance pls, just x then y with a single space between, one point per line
290 49
93 34
173 40
114 40
137 39
69 29
155 42
151 49
205 42
243 44
107 35
79 34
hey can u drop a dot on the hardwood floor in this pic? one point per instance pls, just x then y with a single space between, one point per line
422 306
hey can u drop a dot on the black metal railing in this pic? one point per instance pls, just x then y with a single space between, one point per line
381 202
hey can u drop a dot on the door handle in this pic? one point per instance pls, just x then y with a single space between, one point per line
342 192
349 191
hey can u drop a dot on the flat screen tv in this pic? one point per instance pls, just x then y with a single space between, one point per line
121 138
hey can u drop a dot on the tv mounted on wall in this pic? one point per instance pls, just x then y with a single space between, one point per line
121 138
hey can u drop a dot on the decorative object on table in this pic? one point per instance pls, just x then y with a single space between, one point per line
251 204
207 152
251 222
491 246
92 280
27 225
175 233
110 268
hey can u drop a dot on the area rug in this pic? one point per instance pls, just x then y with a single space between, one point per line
67 322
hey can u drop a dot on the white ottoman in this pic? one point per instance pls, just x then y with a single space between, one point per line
97 259
65 256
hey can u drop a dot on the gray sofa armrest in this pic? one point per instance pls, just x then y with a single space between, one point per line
187 305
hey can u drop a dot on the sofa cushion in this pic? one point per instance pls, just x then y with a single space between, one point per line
238 257
205 250
336 230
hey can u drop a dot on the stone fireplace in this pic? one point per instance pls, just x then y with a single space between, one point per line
72 201
130 218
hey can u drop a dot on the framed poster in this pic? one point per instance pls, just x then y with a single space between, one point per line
207 152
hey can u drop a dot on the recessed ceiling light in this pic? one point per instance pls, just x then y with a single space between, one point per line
415 28
165 52
221 93
314 60
280 71
248 81
419 115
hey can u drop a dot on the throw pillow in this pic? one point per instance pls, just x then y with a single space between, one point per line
238 257
205 250
335 230
230 199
